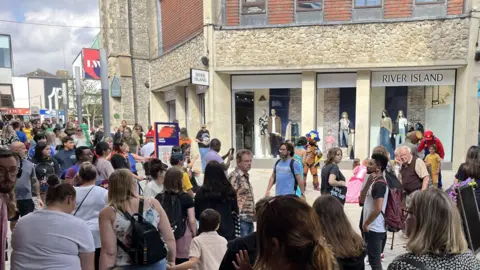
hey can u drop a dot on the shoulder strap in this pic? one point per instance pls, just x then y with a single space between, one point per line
275 171
140 210
414 262
80 205
295 184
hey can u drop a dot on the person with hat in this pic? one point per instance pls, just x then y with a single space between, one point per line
148 149
429 139
203 140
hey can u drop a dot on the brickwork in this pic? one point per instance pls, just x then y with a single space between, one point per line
180 21
233 12
337 10
398 8
280 11
331 112
295 106
455 7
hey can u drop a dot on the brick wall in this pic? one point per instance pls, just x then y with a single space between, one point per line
180 20
398 8
337 10
233 12
280 11
455 7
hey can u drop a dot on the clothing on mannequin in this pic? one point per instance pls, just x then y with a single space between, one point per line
275 131
264 135
351 144
343 130
402 124
288 131
385 132
328 141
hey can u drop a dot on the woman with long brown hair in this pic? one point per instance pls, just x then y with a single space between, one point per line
347 246
289 238
333 181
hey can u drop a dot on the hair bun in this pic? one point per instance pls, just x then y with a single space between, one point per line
53 180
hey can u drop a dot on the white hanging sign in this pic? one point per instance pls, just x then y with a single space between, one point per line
199 77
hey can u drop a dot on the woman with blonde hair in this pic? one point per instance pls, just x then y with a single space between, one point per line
8 136
114 226
346 244
436 238
289 238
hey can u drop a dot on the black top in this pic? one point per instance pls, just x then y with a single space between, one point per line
248 243
225 206
353 263
328 169
120 162
460 175
203 136
379 189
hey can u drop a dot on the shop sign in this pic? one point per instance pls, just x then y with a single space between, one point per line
18 111
91 64
199 77
412 78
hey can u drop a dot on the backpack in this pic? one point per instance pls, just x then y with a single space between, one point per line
173 208
147 247
295 185
65 172
394 217
43 170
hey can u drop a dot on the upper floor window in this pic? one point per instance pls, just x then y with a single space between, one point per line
368 3
429 1
253 6
308 5
5 52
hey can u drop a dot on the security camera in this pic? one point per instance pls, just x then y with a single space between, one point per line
147 85
204 60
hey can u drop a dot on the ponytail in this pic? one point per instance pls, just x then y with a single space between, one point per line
57 191
322 257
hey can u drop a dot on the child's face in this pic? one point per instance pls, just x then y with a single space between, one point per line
432 150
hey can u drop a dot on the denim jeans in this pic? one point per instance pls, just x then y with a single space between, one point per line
246 228
343 138
203 152
375 244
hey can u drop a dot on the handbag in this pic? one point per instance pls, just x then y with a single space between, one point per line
80 205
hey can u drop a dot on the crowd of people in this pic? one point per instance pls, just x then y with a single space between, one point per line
76 200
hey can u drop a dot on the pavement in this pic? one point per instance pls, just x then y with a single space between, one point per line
259 179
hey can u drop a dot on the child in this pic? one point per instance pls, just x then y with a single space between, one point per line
432 161
354 186
208 248
329 141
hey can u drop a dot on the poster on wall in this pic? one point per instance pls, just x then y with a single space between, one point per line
166 137
91 64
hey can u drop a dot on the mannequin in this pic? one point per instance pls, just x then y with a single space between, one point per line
385 132
344 127
402 124
351 143
328 141
275 131
264 141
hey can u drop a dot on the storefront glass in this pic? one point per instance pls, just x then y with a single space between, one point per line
404 101
264 118
336 104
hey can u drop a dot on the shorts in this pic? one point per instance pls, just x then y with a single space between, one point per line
24 207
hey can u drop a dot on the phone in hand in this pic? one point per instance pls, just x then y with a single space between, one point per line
231 151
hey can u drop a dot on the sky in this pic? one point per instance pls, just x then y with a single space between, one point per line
46 47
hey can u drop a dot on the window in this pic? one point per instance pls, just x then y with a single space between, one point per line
308 5
5 52
201 98
6 101
253 6
368 3
172 114
429 1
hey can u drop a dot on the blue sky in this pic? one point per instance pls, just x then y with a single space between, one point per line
48 48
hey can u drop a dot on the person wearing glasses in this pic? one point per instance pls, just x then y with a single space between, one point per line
79 138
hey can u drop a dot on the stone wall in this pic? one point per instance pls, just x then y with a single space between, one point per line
347 45
331 110
295 112
175 65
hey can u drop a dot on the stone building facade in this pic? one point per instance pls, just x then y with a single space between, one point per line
314 50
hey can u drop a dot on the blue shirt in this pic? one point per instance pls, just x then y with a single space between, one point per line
284 177
31 152
21 136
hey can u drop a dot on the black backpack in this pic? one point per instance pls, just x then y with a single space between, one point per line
147 247
43 170
295 185
173 208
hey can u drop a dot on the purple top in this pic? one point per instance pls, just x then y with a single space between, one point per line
213 156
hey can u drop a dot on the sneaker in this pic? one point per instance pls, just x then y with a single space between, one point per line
366 261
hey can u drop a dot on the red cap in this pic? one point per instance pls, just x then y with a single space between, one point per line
150 134
428 134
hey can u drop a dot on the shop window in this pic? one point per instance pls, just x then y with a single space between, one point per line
253 6
5 52
264 118
308 5
406 101
172 111
367 3
201 98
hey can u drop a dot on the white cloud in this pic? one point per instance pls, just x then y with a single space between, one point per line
46 47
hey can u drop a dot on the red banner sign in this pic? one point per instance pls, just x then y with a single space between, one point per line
18 111
91 64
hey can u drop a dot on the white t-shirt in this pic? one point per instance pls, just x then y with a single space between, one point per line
152 189
47 239
210 248
402 123
147 149
91 207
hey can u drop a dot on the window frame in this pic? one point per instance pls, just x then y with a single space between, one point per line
202 101
362 7
244 3
300 9
430 2
10 49
172 114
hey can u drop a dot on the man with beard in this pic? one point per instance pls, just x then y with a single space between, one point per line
26 179
375 204
8 175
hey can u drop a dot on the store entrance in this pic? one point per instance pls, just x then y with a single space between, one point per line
244 120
